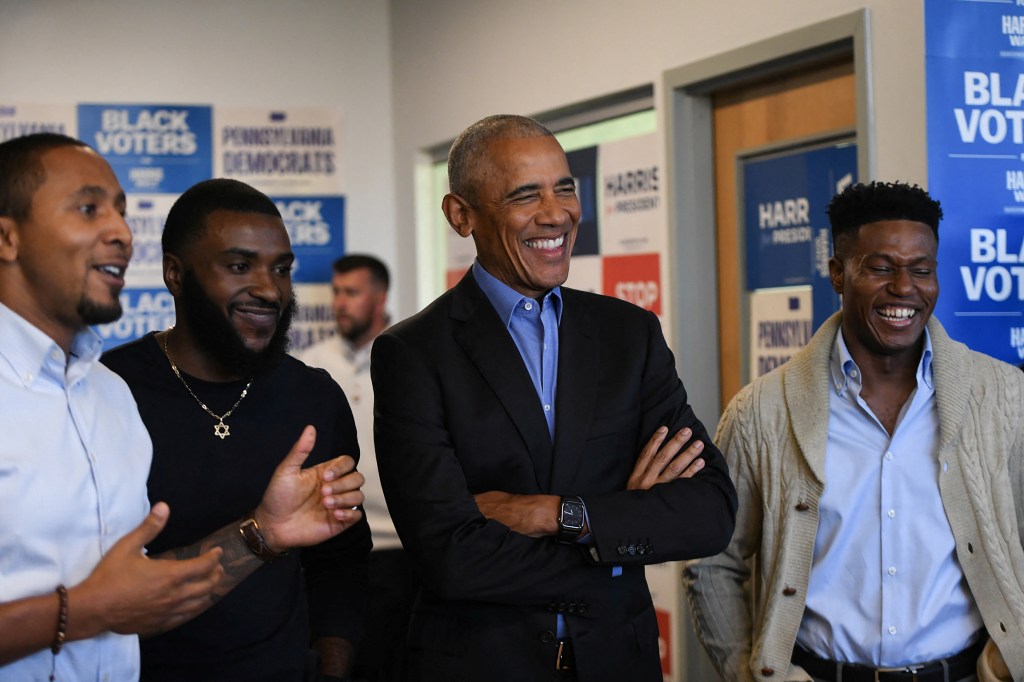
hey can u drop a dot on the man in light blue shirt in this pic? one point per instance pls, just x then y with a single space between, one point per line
880 481
75 584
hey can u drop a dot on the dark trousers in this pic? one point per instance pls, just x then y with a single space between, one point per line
392 589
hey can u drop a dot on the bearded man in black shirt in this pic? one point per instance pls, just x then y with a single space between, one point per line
222 400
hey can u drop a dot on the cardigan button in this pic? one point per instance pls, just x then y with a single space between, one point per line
801 506
789 591
767 672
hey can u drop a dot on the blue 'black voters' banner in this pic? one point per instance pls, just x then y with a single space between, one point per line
975 95
153 148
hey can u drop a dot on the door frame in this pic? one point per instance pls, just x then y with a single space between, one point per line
686 100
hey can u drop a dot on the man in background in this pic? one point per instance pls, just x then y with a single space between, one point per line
880 482
221 398
360 294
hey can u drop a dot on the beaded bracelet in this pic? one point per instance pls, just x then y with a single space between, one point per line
62 621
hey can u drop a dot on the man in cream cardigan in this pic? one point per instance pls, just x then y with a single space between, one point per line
880 483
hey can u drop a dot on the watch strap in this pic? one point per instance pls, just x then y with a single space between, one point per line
255 541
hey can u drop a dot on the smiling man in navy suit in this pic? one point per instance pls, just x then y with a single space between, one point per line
535 443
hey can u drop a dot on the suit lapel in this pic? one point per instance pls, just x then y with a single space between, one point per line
487 343
578 372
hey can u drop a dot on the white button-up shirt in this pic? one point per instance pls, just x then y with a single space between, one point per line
886 587
74 458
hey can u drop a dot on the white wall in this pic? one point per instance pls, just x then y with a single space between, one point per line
225 52
456 61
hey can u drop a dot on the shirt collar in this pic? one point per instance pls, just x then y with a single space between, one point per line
843 369
28 350
505 299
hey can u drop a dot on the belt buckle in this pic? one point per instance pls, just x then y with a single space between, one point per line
912 669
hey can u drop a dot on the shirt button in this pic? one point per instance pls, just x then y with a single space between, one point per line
891 513
528 306
853 373
892 629
547 408
888 455
28 377
892 570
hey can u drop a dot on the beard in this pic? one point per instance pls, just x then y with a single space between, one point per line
355 328
214 332
91 312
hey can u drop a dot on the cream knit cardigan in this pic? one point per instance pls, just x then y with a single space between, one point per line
773 435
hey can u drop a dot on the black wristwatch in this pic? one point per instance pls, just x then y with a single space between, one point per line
571 517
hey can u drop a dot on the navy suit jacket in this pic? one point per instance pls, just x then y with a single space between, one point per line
456 414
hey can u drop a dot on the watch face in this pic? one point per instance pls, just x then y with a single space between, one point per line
572 514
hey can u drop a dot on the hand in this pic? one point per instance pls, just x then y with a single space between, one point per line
533 515
130 593
303 507
660 464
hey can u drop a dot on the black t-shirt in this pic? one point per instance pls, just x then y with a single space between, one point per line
261 630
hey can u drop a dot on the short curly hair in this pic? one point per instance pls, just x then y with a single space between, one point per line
862 204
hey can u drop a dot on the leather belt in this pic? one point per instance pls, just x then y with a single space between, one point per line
949 669
565 659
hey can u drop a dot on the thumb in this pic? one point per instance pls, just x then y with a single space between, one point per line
151 525
301 449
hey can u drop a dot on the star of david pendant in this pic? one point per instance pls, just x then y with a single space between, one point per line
221 430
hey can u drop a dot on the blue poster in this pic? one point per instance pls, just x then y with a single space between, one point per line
583 165
975 97
144 310
788 240
316 228
153 148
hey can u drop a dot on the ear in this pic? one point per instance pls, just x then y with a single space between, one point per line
835 274
459 214
8 239
174 271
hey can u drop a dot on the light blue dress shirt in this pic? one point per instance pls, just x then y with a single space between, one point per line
886 587
74 458
534 328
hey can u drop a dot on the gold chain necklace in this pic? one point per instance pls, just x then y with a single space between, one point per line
220 429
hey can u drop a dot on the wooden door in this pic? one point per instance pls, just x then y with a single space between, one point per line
815 101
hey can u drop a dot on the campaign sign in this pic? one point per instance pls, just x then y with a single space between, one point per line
142 311
583 165
975 96
153 148
314 317
17 120
780 325
633 215
634 278
788 238
316 228
281 151
146 215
